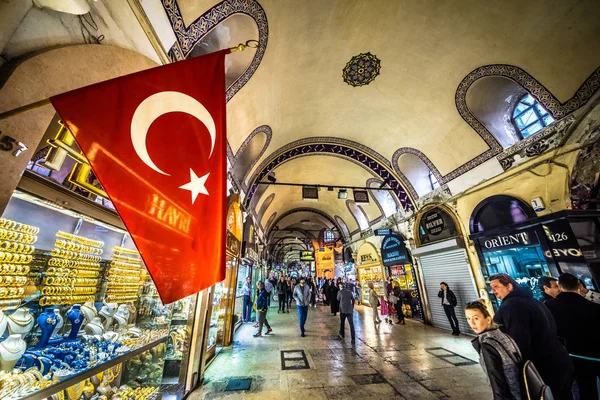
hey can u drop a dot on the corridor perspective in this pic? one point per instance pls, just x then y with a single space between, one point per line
411 361
175 174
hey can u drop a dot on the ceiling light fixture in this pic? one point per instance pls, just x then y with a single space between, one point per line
343 194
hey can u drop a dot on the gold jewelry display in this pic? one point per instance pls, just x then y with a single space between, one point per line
124 276
16 249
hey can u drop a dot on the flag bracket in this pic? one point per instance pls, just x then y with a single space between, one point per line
252 44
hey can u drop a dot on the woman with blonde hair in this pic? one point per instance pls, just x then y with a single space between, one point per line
499 355
374 302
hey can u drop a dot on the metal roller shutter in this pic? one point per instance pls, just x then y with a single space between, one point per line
452 267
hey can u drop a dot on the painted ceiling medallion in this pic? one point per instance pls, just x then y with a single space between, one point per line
361 69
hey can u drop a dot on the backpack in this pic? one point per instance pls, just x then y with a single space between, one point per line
535 387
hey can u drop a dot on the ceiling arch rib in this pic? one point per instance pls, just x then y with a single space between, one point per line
329 146
387 204
250 152
305 209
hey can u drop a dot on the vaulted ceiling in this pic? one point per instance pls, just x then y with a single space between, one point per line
425 49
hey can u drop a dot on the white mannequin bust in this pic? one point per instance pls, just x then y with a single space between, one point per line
21 322
124 308
3 322
10 351
89 311
94 327
107 312
59 323
121 318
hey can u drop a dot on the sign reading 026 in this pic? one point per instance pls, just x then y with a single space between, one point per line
8 143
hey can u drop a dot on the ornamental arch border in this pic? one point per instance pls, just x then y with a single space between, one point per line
371 191
266 129
419 154
555 107
189 36
349 150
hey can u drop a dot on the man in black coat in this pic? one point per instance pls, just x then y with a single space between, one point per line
532 327
449 302
577 320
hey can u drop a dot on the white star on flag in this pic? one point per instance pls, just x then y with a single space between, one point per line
196 185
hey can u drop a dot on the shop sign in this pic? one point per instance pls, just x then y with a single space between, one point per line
8 143
251 254
397 271
232 243
517 239
563 243
383 232
307 256
367 254
434 223
393 251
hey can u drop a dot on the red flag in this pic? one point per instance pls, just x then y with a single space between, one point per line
156 141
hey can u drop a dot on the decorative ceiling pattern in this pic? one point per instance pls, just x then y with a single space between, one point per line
361 69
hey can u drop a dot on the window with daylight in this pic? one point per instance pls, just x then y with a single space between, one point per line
328 236
530 116
433 181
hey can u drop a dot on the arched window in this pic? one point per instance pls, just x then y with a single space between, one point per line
328 236
433 181
358 214
530 117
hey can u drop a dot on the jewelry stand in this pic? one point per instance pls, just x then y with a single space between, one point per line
89 311
107 312
47 321
20 322
94 327
75 316
3 323
55 338
10 351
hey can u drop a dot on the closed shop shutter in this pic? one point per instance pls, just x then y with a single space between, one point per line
452 267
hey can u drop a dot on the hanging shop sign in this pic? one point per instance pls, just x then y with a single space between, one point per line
307 256
393 251
249 252
367 254
361 196
383 232
232 243
562 242
436 225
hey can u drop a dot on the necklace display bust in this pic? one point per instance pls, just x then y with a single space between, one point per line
21 322
3 322
89 311
10 351
107 312
47 321
94 327
75 316
59 323
121 319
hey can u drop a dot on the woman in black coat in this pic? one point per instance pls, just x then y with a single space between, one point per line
499 355
324 290
334 304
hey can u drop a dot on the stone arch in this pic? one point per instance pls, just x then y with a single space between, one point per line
270 226
345 231
189 36
381 197
361 217
264 206
422 167
250 152
347 149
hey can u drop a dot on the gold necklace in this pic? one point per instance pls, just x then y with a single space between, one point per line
21 322
11 351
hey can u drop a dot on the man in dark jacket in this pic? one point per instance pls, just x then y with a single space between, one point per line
262 304
449 302
532 327
577 320
549 287
282 289
346 299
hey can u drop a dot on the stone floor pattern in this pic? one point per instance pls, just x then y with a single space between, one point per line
411 361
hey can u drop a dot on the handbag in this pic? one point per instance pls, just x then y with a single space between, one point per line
535 387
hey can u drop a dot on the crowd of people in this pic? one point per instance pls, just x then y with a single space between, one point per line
554 340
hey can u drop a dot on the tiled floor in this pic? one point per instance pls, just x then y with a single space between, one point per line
411 361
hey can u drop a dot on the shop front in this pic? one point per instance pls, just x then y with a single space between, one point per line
70 276
398 262
325 264
369 269
442 257
222 296
245 269
511 240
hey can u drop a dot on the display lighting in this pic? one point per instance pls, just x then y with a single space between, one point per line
343 194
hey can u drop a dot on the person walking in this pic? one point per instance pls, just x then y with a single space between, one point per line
549 288
499 355
289 292
302 297
269 288
246 291
575 318
324 290
313 293
374 303
345 297
332 292
358 289
262 301
397 292
531 325
282 294
449 302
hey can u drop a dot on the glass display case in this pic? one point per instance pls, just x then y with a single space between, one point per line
216 330
76 301
404 275
370 274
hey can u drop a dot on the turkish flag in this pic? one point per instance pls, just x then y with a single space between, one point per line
156 141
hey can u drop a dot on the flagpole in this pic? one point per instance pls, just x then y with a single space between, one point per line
252 44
